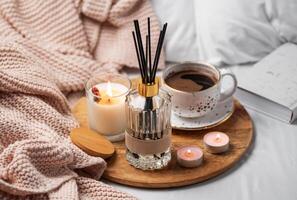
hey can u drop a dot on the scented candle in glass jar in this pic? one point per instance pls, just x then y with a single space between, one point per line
106 94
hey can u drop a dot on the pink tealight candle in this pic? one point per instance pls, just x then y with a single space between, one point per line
216 142
189 156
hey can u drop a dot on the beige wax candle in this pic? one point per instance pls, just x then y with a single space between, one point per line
106 115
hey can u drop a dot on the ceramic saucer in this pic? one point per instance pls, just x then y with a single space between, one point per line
220 114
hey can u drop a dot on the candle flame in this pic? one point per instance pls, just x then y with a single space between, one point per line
218 137
188 152
109 89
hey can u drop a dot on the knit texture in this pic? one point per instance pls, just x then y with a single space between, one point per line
49 49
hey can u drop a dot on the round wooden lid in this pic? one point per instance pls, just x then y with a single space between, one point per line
91 142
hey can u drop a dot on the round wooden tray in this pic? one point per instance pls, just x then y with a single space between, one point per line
239 127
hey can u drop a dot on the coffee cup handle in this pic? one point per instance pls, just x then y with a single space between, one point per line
231 90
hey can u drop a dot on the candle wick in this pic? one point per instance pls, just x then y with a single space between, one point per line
188 153
218 138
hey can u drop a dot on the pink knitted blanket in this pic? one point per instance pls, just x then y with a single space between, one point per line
47 49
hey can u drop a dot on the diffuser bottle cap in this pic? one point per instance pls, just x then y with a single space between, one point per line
149 89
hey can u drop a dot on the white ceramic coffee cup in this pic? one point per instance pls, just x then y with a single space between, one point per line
198 103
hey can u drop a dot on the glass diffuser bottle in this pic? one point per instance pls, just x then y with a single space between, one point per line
148 110
148 130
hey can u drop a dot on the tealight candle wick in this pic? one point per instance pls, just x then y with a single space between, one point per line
218 138
189 153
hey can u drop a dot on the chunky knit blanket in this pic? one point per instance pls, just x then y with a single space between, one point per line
48 49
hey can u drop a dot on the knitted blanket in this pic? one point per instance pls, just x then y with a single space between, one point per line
48 49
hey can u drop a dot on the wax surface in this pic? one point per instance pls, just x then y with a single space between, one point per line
113 96
193 154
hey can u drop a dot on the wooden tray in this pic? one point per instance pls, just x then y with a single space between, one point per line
239 127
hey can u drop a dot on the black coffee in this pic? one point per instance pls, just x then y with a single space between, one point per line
190 81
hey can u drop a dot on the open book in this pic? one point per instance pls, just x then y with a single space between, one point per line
270 86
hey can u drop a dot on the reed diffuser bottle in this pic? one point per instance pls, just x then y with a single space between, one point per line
148 110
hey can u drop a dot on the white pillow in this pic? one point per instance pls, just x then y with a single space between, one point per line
234 31
283 16
226 31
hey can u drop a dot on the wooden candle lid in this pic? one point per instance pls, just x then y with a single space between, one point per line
92 143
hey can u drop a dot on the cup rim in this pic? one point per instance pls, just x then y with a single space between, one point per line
112 75
194 63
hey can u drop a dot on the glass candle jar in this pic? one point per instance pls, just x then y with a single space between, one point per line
106 94
148 130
